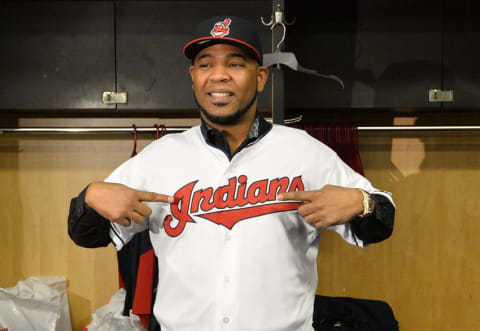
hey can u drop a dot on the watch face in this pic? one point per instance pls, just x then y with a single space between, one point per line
371 203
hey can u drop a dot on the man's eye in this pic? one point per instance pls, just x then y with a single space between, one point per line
237 65
204 65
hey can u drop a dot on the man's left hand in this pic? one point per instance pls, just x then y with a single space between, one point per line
328 206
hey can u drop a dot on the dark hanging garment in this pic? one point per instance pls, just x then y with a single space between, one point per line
137 265
342 314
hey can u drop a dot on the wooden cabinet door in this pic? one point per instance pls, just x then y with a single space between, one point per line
461 53
399 54
56 55
323 38
388 53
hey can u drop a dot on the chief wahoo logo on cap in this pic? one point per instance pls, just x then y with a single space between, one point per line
221 29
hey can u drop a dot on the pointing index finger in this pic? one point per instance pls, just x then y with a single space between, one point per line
154 197
299 196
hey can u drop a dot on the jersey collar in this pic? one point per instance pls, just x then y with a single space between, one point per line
215 138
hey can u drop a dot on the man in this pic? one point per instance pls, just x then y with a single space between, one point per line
235 207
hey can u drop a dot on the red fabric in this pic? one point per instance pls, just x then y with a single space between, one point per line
134 152
343 139
142 303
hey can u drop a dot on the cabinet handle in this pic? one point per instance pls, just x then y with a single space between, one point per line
114 97
435 95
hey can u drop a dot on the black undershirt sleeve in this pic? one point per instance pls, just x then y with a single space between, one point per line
377 226
85 226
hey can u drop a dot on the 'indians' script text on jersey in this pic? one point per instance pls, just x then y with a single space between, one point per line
237 193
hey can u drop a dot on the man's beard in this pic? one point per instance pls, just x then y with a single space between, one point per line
226 119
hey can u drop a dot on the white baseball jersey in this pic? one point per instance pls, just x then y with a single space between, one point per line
230 255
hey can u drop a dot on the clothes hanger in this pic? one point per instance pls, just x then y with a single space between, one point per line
287 58
290 60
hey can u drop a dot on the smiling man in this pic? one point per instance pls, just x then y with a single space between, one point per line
227 75
234 207
226 81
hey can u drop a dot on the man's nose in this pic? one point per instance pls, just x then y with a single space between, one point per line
220 73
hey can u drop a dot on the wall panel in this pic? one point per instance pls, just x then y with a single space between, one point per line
427 270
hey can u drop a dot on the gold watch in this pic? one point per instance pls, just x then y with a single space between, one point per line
368 204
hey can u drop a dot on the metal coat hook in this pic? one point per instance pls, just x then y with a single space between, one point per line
277 19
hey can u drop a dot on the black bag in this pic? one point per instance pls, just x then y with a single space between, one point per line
350 314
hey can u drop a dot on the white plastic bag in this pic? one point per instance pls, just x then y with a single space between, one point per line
110 318
35 304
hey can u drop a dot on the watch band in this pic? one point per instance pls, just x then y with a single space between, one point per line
368 204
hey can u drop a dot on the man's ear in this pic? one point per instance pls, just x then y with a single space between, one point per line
192 68
262 77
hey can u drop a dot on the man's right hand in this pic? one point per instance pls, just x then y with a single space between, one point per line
121 204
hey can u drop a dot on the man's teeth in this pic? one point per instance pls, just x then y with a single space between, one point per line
221 94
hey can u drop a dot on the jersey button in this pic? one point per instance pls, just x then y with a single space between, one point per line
226 320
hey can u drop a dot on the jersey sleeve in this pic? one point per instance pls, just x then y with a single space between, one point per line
128 175
121 234
376 227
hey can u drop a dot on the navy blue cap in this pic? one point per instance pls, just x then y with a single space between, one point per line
225 30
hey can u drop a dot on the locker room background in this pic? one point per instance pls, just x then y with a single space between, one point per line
428 271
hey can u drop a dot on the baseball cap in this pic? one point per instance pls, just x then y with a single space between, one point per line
231 30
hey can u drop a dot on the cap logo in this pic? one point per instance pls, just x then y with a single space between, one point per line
221 29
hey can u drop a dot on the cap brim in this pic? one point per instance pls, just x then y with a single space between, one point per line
192 48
